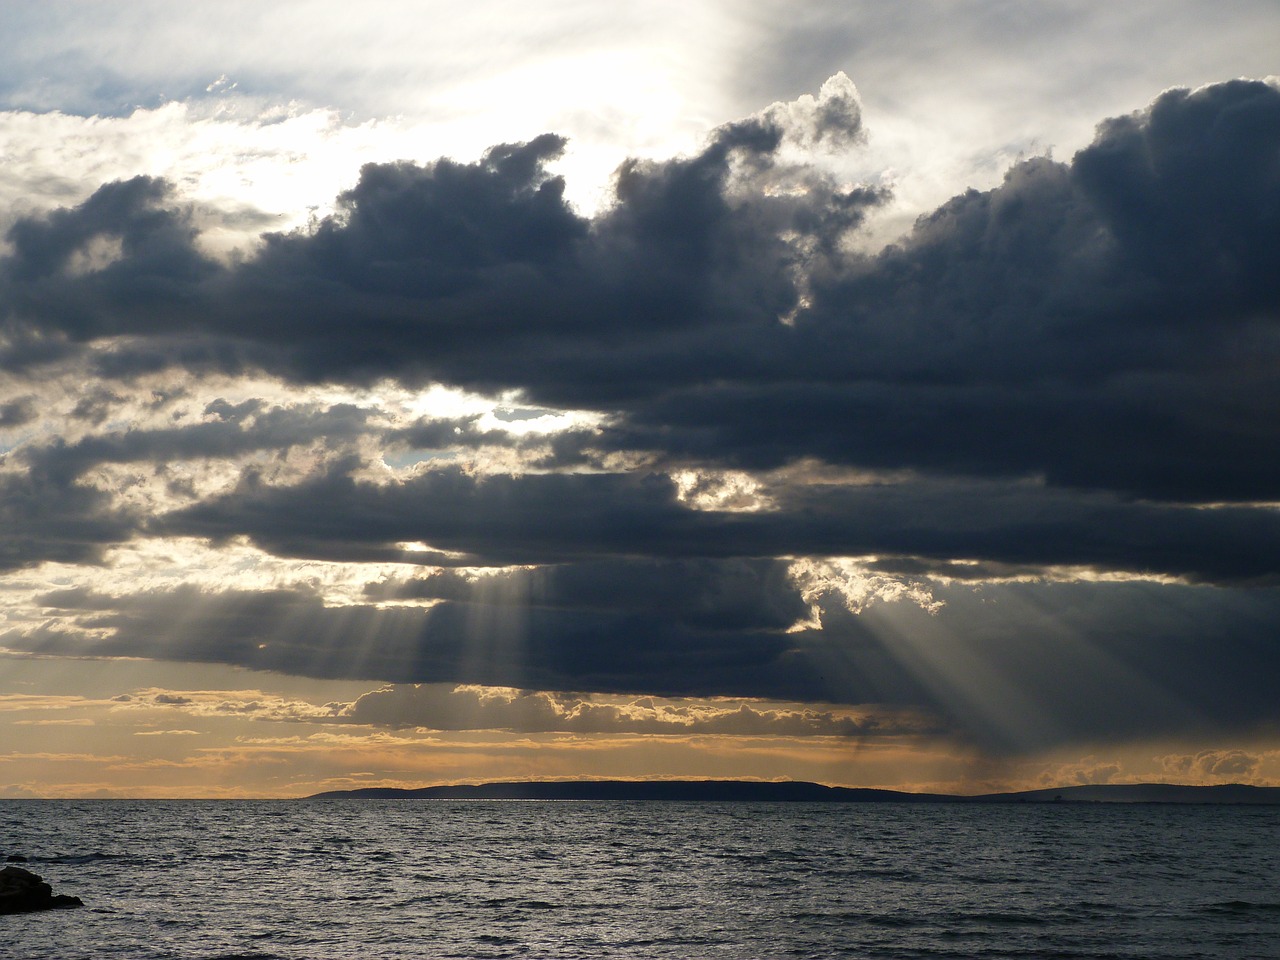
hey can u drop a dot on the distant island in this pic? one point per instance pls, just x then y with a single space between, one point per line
796 791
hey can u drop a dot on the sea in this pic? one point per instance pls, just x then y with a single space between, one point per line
344 879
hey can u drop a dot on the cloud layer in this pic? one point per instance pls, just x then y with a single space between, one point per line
1018 469
1102 324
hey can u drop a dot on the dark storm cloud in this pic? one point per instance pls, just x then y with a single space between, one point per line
552 518
1032 665
453 271
144 280
1107 323
16 413
1019 666
293 631
57 522
96 405
737 594
481 275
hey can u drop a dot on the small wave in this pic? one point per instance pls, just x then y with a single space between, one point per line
1241 906
896 920
1093 909
1007 918
886 873
983 879
496 940
78 858
517 903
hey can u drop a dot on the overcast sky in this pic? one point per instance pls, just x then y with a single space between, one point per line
877 394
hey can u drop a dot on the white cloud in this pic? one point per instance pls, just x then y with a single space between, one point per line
848 580
167 733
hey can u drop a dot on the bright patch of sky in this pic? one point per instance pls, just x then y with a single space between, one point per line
263 113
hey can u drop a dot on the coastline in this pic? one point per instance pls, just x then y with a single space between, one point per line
795 791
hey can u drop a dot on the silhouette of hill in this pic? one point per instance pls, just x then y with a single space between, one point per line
1227 793
801 792
702 790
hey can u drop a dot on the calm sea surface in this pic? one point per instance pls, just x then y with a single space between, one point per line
405 878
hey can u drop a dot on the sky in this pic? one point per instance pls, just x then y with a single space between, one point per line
874 394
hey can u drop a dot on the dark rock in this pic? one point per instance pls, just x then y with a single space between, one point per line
15 858
21 891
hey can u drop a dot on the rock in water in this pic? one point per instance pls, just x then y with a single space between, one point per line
21 891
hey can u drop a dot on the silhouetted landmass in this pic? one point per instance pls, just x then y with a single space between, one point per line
793 790
1228 793
801 792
